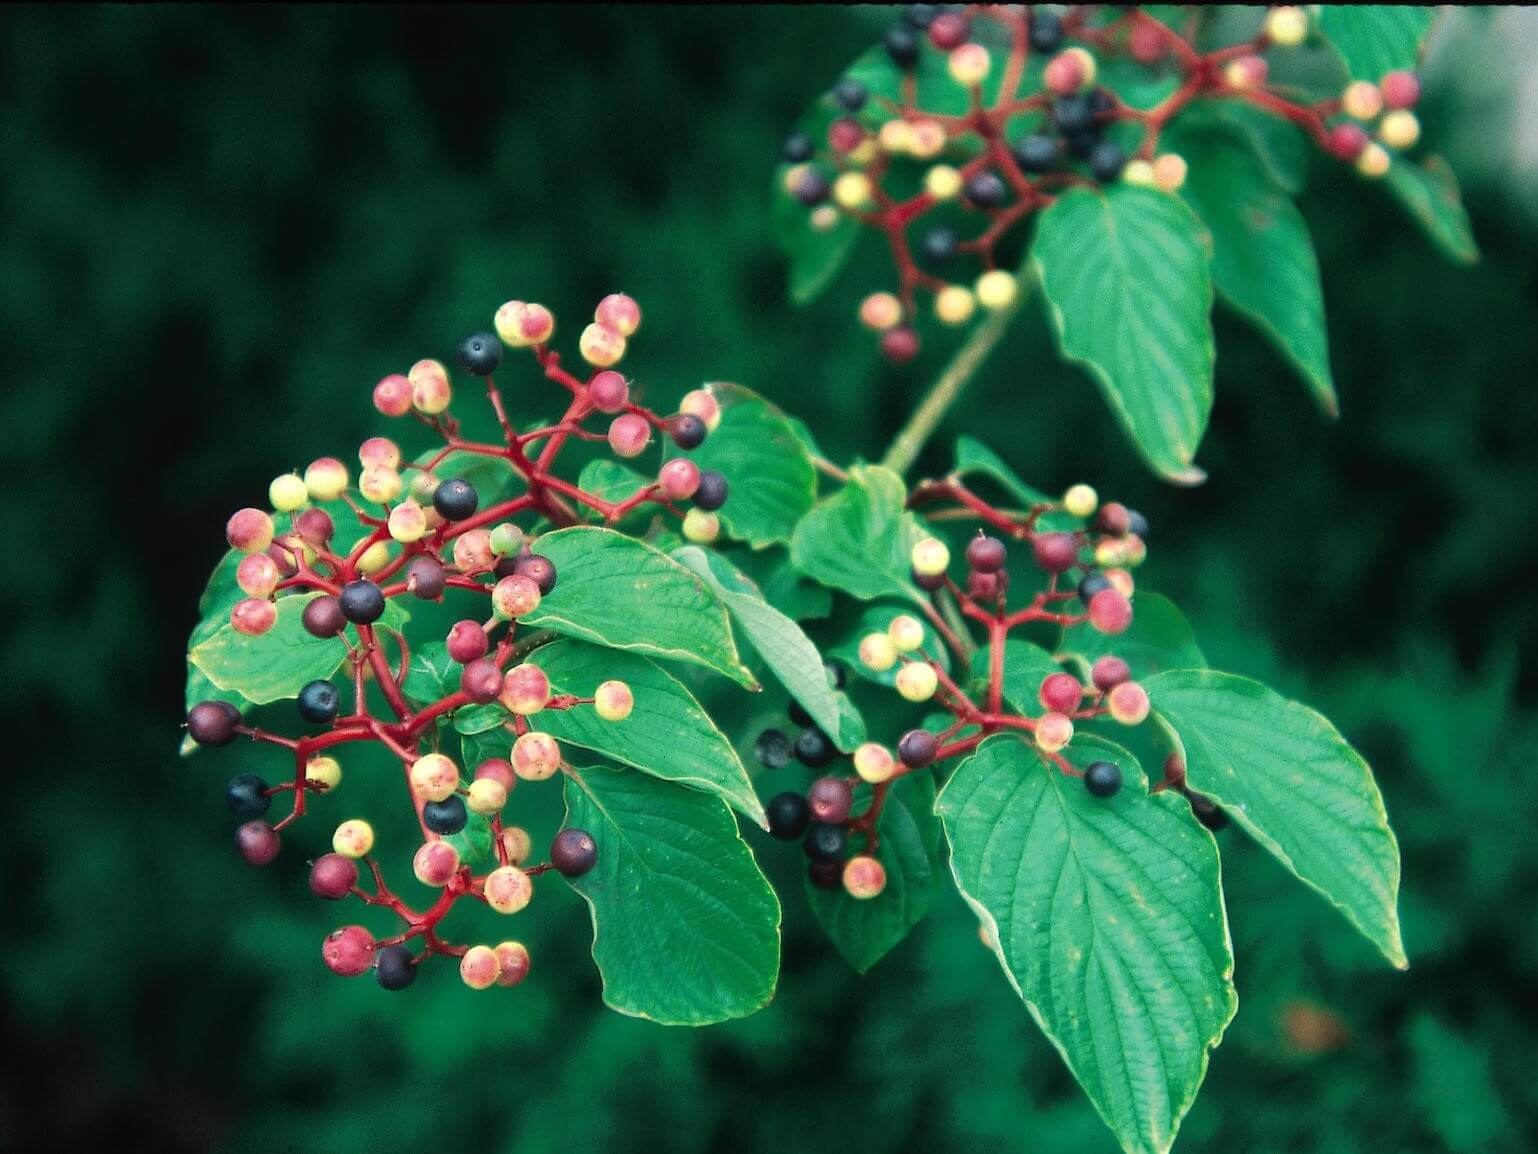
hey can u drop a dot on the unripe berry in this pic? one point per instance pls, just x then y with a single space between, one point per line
880 311
435 863
498 771
712 491
480 353
906 632
986 554
1373 162
517 844
1246 72
362 602
941 182
479 968
247 796
1121 581
679 478
1109 672
1060 692
323 617
486 797
845 134
629 435
830 799
1053 731
930 557
620 313
506 540
808 185
333 876
1080 500
253 616
874 763
1102 778
323 772
788 815
257 575
601 345
446 816
394 967
353 838
926 140
1169 171
702 403
380 484
613 701
917 681
513 597
257 842
508 889
536 756
249 531
520 325
481 680
968 64
1346 140
472 551
1399 129
852 191
864 877
212 723
348 951
314 526
325 478
434 776
287 492
997 289
1138 172
877 652
1128 703
954 304
700 526
813 749
608 391
407 522
687 431
1148 43
284 553
900 345
1055 552
1361 100
1110 612
392 395
1400 90
513 960
825 842
573 852
1286 26
917 748
1069 71
467 640
430 391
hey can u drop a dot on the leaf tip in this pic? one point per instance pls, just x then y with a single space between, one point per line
1190 476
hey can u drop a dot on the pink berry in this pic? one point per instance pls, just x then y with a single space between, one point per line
499 770
830 799
618 312
514 596
1055 552
1109 672
481 680
467 641
392 395
1064 73
1061 692
1148 43
253 616
257 575
1347 140
629 435
679 479
514 960
949 30
249 531
1128 703
333 876
1400 89
472 551
900 344
525 689
1110 612
257 842
608 391
314 526
845 134
435 863
348 951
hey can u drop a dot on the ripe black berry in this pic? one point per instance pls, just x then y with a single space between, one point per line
773 749
1073 113
573 852
812 188
426 579
687 431
323 617
940 243
1046 30
1137 523
797 149
1083 143
922 15
825 842
813 749
986 554
246 795
393 967
986 190
1102 778
917 748
212 722
319 702
851 95
712 493
538 569
446 816
1037 152
1106 161
455 499
1207 811
480 353
902 45
798 714
1091 584
788 814
362 602
826 875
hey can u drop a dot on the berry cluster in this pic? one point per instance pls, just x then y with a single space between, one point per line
1087 580
425 537
920 175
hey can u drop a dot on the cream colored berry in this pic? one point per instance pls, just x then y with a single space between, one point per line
486 796
288 492
906 632
353 838
434 777
917 681
874 763
997 289
877 653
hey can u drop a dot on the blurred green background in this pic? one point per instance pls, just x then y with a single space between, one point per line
218 228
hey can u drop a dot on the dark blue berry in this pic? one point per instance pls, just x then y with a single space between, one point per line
1046 30
940 243
1037 152
446 816
1207 811
393 967
1073 113
1137 523
902 45
1091 584
247 797
480 353
362 602
687 431
826 875
797 713
773 749
797 149
917 748
825 842
812 187
573 852
455 499
1082 144
922 15
851 95
837 673
712 493
319 702
986 190
1102 778
788 814
813 749
1106 161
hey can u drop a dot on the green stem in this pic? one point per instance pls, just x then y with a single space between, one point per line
905 447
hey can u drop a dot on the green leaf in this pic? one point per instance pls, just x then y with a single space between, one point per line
975 459
859 539
616 591
1376 39
1107 915
474 841
1279 145
785 649
1263 261
610 481
1128 289
494 478
1287 776
686 930
1159 638
279 663
430 674
876 619
1025 667
1429 193
667 735
816 255
773 483
908 846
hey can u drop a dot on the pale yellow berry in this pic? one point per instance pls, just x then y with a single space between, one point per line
1081 500
863 153
895 137
880 311
874 763
907 633
942 182
486 796
824 218
353 838
1286 26
1121 581
954 304
1053 731
374 558
480 967
517 843
325 772
928 139
930 557
1169 171
1128 703
917 681
790 182
521 325
1399 129
852 191
408 522
613 701
969 64
536 756
325 479
1138 172
600 345
434 777
864 877
525 690
288 492
1361 100
430 391
508 889
1086 64
701 527
1374 161
997 289
702 403
877 652
380 484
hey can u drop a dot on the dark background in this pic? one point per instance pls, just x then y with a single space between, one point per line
218 228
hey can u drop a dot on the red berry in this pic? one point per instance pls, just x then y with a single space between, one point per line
1147 43
1061 692
323 617
348 951
481 680
1347 140
1110 612
949 30
608 391
830 799
986 554
1400 89
212 722
257 842
900 344
467 641
333 876
314 526
1109 672
845 134
1055 552
1114 518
